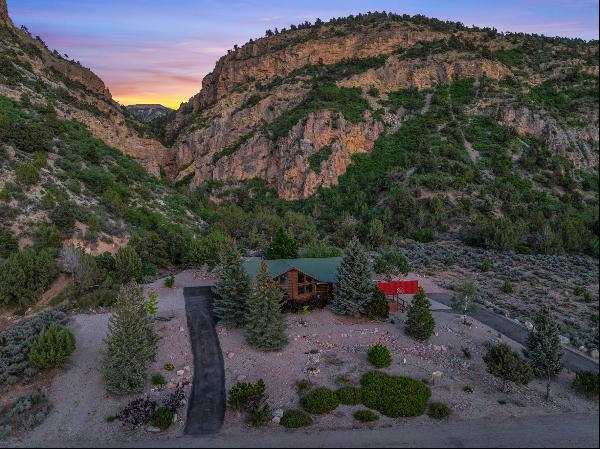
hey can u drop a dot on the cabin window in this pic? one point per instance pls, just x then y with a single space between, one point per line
305 284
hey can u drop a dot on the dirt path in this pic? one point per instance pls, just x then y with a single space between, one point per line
206 410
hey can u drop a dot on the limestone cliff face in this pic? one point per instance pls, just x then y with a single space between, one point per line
580 145
278 56
399 74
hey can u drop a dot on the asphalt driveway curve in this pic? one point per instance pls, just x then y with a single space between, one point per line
206 409
573 360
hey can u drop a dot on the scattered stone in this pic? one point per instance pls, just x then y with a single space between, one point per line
242 378
564 340
529 326
152 429
230 355
276 420
278 413
436 376
180 373
594 354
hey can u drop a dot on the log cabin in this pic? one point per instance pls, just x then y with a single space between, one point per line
302 280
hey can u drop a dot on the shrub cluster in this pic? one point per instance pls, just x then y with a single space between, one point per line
16 343
251 398
24 414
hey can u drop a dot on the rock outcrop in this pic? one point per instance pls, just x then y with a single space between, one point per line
4 17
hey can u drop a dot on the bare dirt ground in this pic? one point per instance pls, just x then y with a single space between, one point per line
331 351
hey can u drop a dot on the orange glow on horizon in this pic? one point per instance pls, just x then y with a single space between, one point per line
172 103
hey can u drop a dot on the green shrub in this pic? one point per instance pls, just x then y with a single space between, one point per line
394 397
587 383
27 174
259 416
64 216
486 266
246 396
438 410
379 356
508 287
158 380
52 348
162 418
366 416
320 401
579 290
349 395
295 419
170 282
588 298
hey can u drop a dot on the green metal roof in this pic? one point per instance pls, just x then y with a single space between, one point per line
323 270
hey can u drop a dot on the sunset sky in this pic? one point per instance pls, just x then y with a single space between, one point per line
157 51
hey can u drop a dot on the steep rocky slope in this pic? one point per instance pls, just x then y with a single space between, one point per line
223 133
30 70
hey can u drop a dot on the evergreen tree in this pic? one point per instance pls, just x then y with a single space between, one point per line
506 364
354 288
464 301
543 348
283 246
266 324
233 288
128 265
131 343
419 322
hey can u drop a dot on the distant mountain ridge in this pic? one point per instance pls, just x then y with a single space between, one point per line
148 112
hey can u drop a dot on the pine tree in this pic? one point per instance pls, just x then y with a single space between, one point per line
419 322
354 288
543 348
283 246
131 344
266 324
128 265
233 288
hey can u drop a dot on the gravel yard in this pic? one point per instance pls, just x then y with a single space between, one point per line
331 351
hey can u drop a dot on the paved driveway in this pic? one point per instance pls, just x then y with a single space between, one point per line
206 410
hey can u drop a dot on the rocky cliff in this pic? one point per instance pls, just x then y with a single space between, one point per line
39 74
225 132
